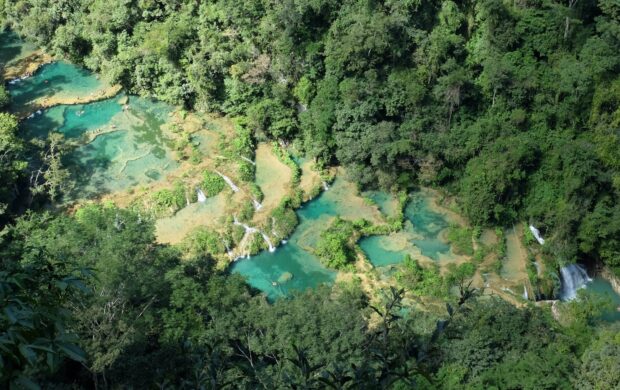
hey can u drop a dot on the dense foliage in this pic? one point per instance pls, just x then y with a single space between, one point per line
514 106
91 300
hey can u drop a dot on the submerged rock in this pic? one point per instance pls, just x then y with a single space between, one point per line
285 277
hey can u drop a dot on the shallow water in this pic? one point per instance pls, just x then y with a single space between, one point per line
386 202
12 48
175 228
377 249
428 225
267 268
295 256
59 79
117 148
422 234
603 287
272 176
514 266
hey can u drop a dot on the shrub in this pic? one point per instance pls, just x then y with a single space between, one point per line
461 239
334 247
423 281
212 183
246 171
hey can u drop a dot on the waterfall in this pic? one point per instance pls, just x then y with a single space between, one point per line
537 266
485 278
268 241
537 235
251 230
525 294
325 186
248 160
257 204
574 277
201 196
228 181
248 229
229 251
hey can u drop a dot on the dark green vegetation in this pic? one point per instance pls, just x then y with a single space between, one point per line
513 106
91 299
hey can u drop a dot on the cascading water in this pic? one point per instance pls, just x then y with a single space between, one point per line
228 181
201 196
248 229
268 241
536 234
526 296
257 205
574 277
252 230
325 186
248 160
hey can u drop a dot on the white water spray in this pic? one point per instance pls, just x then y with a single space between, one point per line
325 186
248 229
252 230
574 277
537 235
526 296
201 196
268 241
257 204
228 181
248 160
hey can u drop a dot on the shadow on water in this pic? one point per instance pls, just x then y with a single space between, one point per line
27 91
12 47
58 79
89 164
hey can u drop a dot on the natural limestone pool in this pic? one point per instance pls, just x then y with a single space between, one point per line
293 266
58 81
119 142
421 235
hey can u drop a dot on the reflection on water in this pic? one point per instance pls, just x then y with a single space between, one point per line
427 224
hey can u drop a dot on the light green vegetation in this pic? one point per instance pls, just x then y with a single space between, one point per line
212 183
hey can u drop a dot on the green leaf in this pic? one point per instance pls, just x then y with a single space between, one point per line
25 383
10 313
72 351
28 353
53 361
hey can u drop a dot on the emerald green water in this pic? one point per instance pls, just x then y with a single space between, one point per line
427 225
603 287
59 79
375 249
385 201
422 230
13 48
72 121
116 148
295 257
